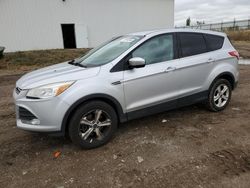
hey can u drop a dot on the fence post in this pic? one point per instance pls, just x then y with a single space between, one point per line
234 24
221 26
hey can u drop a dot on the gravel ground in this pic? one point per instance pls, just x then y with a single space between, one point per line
188 147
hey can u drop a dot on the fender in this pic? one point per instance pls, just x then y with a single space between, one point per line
222 70
225 74
107 98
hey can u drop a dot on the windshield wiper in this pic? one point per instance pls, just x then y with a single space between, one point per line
73 62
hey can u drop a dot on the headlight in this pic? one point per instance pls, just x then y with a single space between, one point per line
48 91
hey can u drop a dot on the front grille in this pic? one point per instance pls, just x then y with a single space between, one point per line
25 114
18 90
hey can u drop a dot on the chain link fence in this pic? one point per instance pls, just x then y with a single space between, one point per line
223 26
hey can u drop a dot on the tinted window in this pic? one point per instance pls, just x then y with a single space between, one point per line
214 42
157 49
192 44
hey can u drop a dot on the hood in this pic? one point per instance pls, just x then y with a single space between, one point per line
56 73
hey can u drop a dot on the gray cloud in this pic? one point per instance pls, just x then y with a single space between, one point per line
211 10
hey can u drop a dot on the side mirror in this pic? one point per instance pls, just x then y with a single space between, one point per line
137 62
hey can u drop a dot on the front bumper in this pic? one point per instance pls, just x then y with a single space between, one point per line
37 128
47 114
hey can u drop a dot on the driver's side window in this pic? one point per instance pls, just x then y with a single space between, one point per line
156 50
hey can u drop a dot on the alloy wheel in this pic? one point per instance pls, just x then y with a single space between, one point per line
221 95
94 125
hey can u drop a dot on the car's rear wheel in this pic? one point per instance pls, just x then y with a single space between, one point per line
219 95
93 124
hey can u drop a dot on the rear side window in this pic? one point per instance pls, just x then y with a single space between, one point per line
214 42
192 44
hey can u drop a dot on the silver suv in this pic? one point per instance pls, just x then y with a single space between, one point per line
128 77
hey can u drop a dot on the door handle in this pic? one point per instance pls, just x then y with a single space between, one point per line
170 69
210 60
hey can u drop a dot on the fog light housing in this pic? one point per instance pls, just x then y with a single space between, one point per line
35 122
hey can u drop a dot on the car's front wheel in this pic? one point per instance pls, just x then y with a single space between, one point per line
93 124
219 95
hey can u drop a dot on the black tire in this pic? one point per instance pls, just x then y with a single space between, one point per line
89 110
210 103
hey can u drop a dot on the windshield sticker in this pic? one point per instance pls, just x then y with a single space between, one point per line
128 40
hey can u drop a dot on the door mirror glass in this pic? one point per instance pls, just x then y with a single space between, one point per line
137 62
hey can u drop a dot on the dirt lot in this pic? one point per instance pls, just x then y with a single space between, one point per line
243 47
193 148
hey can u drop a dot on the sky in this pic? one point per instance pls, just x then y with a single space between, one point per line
211 11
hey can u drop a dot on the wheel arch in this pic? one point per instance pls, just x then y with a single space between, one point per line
122 117
225 75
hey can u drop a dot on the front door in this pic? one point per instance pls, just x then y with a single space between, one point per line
156 82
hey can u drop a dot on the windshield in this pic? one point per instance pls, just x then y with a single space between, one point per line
108 51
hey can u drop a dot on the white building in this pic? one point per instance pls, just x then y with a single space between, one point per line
51 24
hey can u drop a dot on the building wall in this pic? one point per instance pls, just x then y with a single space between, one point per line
36 24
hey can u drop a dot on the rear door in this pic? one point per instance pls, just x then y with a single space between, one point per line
195 63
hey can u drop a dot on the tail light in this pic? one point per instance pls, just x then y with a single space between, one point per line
234 54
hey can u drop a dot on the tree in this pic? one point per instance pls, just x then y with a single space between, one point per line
188 22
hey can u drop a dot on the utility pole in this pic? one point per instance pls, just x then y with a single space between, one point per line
234 24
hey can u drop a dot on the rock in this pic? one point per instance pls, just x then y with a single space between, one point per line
236 109
140 159
115 157
71 180
221 156
24 172
164 121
